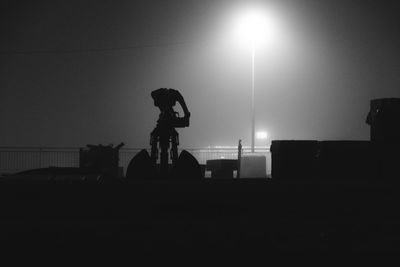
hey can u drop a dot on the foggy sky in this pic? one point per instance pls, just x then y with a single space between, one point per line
80 72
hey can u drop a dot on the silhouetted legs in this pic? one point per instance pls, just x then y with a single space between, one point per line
162 137
174 149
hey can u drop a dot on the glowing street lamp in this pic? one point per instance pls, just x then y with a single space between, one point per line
254 28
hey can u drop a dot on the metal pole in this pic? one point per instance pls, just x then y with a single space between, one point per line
253 113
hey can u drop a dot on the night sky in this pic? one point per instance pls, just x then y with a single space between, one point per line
81 72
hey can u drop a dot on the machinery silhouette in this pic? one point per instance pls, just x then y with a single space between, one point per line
164 134
164 141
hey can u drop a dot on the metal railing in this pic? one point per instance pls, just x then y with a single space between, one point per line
16 159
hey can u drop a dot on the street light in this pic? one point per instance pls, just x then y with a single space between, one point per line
262 135
255 27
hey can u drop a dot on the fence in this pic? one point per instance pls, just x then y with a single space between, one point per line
15 159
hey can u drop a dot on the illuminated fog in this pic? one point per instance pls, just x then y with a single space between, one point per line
315 82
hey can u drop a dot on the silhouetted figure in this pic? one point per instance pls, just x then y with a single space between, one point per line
165 132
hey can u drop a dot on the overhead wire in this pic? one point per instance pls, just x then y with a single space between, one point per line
93 50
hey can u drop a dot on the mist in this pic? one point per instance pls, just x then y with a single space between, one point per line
76 73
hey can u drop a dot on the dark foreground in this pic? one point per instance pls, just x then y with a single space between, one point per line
212 216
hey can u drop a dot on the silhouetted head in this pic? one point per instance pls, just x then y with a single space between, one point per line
164 98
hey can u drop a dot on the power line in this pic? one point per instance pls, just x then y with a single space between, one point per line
93 50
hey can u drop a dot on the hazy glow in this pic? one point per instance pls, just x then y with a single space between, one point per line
262 135
257 26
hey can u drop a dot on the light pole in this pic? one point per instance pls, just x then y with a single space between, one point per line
251 29
253 109
256 27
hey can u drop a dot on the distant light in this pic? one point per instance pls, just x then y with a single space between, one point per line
262 135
